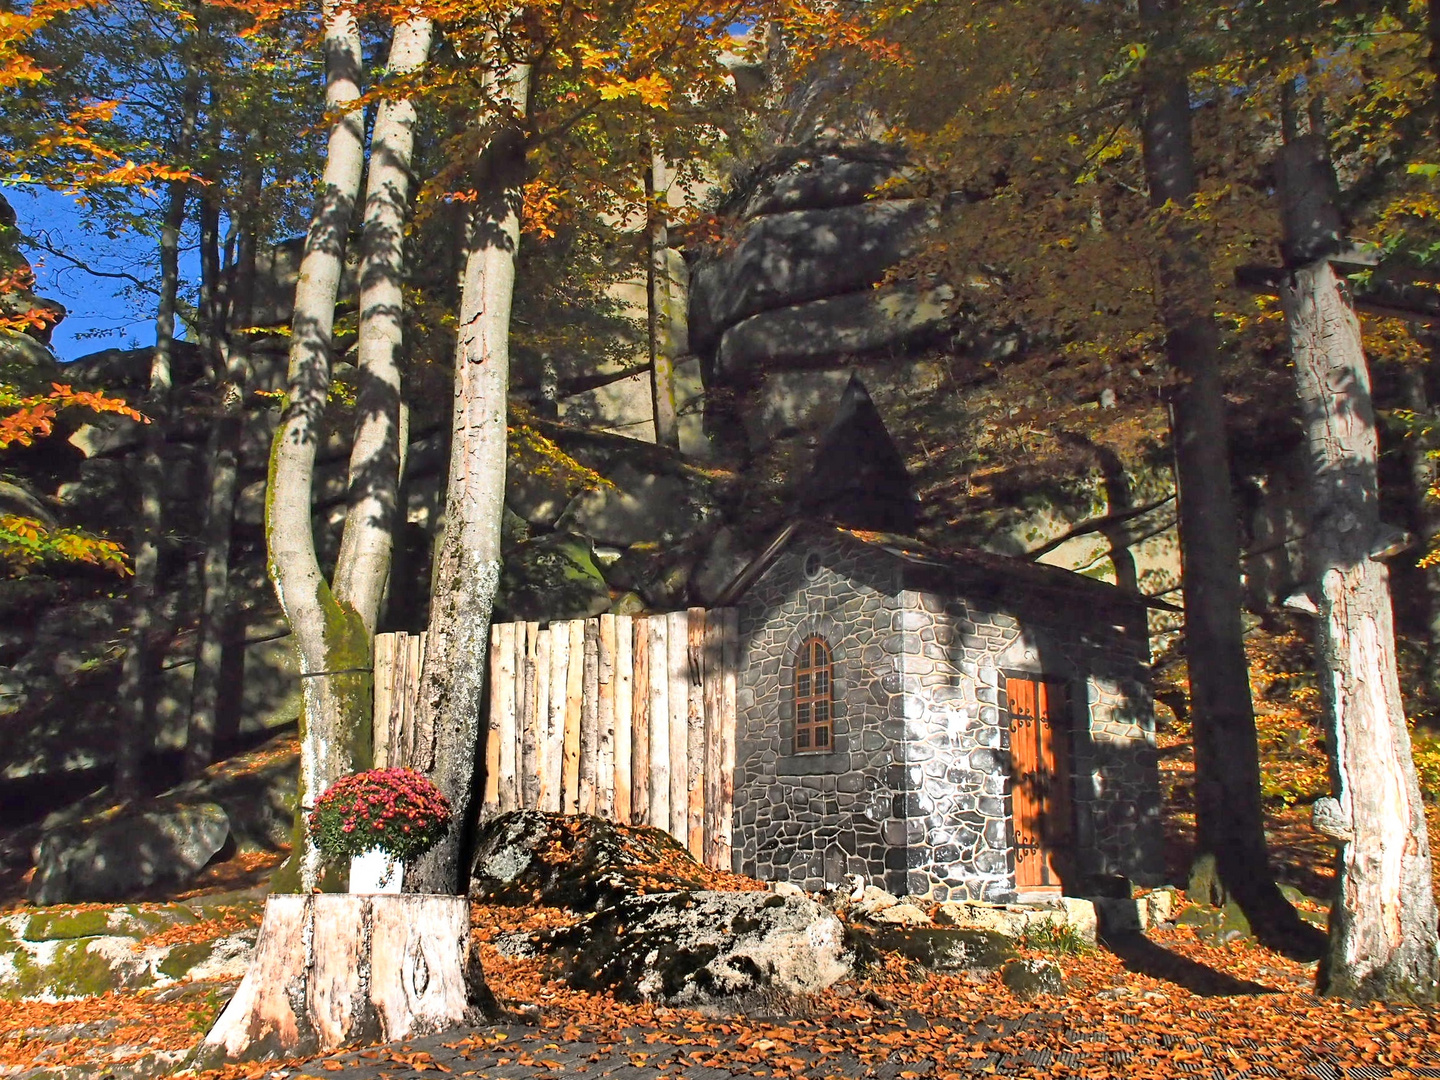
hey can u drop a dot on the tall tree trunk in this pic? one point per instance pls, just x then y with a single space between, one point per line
138 670
659 302
223 449
1424 512
330 638
375 457
1383 942
468 562
1230 826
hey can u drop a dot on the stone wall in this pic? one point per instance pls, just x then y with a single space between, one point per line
914 794
814 818
956 655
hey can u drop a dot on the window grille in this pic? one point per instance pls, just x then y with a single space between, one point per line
814 697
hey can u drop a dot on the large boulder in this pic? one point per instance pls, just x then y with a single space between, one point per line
638 506
838 326
74 953
116 857
580 862
552 577
129 369
693 948
822 181
780 260
938 948
257 791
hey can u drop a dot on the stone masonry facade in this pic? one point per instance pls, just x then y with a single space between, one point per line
913 794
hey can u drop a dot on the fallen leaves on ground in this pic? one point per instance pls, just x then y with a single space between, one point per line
223 922
113 1028
1155 1013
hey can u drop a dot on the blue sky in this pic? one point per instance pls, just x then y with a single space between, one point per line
104 313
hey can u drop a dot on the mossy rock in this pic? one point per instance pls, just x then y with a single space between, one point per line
1303 906
129 920
1204 885
577 861
220 905
553 577
1031 978
938 948
1217 925
79 967
184 958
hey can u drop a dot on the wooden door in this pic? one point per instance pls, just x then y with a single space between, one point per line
1039 781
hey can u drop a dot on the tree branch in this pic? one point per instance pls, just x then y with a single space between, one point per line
1095 524
43 242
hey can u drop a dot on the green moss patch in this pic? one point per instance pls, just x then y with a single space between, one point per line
75 968
184 958
128 920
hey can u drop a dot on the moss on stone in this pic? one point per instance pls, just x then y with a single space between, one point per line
73 970
63 925
184 958
126 920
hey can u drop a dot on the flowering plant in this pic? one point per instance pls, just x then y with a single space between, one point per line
396 810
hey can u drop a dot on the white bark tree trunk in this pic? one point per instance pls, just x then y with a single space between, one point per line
335 970
1382 930
1383 942
468 562
330 638
375 457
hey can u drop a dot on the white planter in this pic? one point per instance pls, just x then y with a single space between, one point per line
374 871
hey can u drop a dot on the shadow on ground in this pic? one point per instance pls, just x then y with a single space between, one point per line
1142 956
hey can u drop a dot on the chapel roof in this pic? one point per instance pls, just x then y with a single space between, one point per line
917 553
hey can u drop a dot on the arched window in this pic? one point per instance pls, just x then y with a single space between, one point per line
814 697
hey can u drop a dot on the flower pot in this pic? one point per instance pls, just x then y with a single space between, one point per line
375 871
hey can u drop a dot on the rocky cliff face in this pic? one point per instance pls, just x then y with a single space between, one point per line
780 315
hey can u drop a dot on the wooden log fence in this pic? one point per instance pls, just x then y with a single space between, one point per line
630 718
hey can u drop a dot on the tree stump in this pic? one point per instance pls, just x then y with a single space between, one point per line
333 969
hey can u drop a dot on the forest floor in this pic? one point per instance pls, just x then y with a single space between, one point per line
1164 1005
1168 1004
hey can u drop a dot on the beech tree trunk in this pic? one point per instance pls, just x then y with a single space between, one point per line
330 637
1383 942
375 457
1230 826
332 970
468 562
658 304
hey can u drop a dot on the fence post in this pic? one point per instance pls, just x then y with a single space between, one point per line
659 723
505 733
640 726
574 697
554 774
605 721
695 731
624 708
729 665
714 703
590 718
678 631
